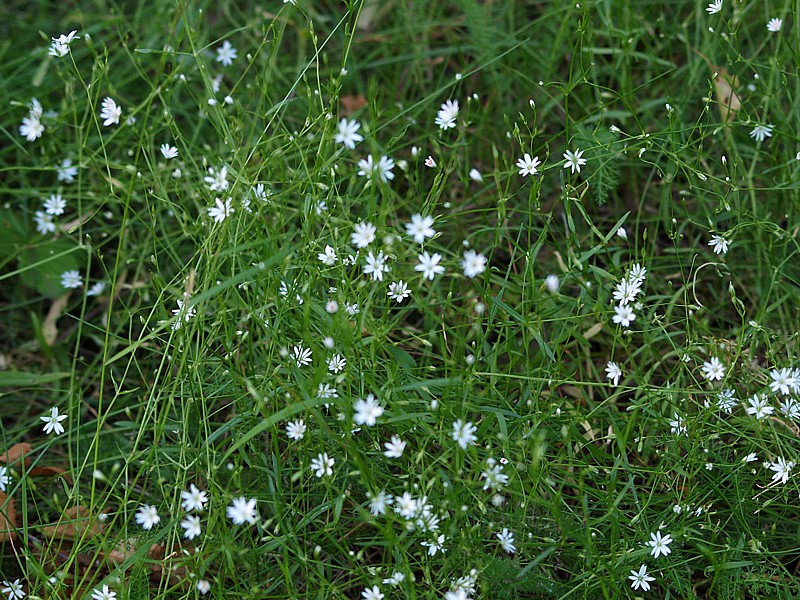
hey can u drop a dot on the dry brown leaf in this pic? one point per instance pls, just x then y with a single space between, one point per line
15 454
351 104
590 434
49 471
49 329
724 88
124 550
593 331
77 523
8 518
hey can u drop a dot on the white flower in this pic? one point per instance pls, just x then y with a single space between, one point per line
66 172
226 54
752 457
678 424
376 266
494 476
713 369
774 25
242 511
44 223
783 381
367 411
373 593
420 228
394 447
217 180
552 283
96 289
398 291
328 257
613 372
347 133
790 408
192 526
464 433
623 315
406 505
260 192
363 235
507 541
719 244
110 112
301 355
637 274
761 132
221 210
193 499
640 578
71 279
446 118
527 165
203 586
782 470
5 480
726 400
383 169
184 312
36 110
13 589
429 265
60 45
626 291
396 579
55 205
473 263
103 594
659 545
574 160
475 175
336 363
437 545
31 128
713 9
322 465
147 516
759 406
295 430
168 151
378 503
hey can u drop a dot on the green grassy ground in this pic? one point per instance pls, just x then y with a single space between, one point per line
341 340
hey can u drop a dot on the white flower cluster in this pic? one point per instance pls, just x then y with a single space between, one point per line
625 294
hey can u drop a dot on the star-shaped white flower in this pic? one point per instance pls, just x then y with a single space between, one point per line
52 423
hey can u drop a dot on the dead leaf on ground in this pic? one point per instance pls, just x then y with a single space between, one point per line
593 331
16 453
351 104
8 518
724 88
122 552
49 329
77 523
49 471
